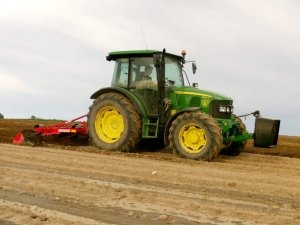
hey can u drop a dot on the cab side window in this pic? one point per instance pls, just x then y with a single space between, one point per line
120 76
142 68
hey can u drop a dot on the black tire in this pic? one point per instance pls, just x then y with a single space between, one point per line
199 128
32 138
113 123
235 148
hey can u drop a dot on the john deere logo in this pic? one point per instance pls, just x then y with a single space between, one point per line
205 102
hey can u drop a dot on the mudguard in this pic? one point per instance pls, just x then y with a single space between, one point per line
266 132
135 100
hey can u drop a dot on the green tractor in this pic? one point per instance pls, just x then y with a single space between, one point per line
148 99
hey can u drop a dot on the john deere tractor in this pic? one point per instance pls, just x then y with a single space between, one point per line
148 99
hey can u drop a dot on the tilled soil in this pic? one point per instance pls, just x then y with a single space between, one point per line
287 145
83 185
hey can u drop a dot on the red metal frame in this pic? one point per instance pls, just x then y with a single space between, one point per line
64 127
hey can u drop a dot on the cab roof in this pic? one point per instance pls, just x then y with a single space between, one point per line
136 53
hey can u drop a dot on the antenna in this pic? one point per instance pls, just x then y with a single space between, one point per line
145 42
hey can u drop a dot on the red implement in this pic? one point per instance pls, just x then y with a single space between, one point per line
19 139
64 127
72 127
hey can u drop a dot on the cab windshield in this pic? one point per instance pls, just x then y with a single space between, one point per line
173 72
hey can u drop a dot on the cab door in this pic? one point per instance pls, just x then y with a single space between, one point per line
143 83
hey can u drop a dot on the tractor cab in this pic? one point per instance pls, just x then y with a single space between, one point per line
140 73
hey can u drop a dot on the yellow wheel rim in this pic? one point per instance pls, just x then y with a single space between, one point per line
109 124
192 138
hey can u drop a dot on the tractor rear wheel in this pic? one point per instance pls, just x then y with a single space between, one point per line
113 123
235 148
195 135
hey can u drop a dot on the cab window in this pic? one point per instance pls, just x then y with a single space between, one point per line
173 72
120 75
142 68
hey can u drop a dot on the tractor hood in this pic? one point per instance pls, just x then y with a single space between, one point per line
201 93
209 102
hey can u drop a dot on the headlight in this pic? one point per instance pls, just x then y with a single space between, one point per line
222 109
226 109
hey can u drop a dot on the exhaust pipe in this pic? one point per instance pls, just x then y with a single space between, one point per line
266 132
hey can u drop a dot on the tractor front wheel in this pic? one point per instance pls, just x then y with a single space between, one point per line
113 123
195 135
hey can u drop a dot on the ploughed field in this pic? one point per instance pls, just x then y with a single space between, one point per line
67 184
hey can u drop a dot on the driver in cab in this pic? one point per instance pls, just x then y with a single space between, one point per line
147 73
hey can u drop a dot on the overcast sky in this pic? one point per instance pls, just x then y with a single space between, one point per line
52 53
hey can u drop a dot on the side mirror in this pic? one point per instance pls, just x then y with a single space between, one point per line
194 67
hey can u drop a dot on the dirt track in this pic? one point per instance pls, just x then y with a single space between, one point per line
85 186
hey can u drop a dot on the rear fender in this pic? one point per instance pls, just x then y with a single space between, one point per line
135 100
